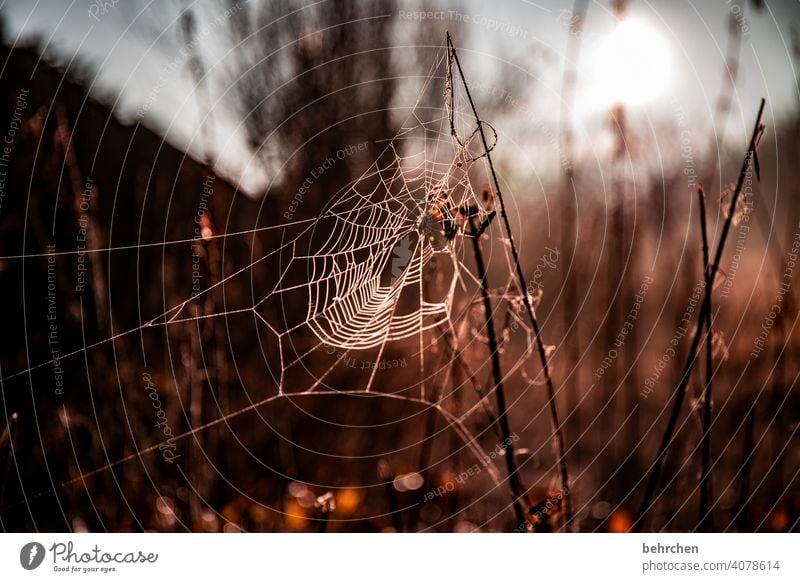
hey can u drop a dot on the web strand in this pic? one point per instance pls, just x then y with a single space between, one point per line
384 272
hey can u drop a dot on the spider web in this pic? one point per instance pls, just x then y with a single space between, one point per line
379 274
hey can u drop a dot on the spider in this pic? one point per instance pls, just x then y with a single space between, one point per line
453 218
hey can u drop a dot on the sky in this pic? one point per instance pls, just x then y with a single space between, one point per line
671 59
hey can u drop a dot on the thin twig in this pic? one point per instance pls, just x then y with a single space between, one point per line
387 476
551 392
502 414
655 471
326 504
6 452
747 465
722 109
448 363
705 519
569 209
426 447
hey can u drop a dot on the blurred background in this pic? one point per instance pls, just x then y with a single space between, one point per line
158 156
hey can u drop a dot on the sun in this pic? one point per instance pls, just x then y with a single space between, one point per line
631 65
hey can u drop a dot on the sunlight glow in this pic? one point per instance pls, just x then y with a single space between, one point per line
631 65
